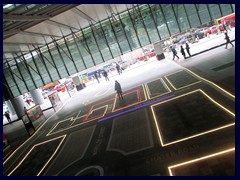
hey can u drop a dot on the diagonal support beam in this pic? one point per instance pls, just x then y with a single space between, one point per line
23 43
58 24
82 14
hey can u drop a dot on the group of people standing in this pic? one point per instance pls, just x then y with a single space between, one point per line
181 50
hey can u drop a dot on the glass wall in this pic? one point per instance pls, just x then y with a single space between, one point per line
138 26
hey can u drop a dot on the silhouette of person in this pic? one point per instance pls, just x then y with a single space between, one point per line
105 74
183 52
118 89
118 68
227 40
96 76
7 115
187 48
174 52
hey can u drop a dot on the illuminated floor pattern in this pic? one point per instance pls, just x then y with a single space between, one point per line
219 164
157 88
118 138
181 79
130 134
180 118
31 166
74 148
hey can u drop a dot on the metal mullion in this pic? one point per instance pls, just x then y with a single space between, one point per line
55 66
84 39
198 14
96 43
41 58
231 8
123 29
220 10
61 56
134 27
37 67
13 78
70 53
105 39
187 16
115 35
176 18
21 74
8 87
143 23
165 19
25 63
64 51
78 48
154 21
209 12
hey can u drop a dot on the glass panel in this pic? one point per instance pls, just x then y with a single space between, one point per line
11 83
181 17
26 76
34 72
50 65
192 15
58 61
160 21
139 26
75 54
226 9
215 11
203 13
149 23
170 18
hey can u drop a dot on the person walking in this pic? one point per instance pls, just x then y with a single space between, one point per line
227 40
7 115
96 76
187 48
183 52
174 52
105 74
118 89
118 68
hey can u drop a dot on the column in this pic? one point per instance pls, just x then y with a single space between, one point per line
18 105
159 51
10 107
37 96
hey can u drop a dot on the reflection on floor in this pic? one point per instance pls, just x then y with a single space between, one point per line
154 130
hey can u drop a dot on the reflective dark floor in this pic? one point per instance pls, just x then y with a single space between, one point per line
176 118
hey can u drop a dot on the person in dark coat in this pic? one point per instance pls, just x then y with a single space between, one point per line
187 48
174 52
227 40
118 69
96 76
183 52
118 89
7 115
105 74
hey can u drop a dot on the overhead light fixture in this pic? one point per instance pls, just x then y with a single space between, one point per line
6 6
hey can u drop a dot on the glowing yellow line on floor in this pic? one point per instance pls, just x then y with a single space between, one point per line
35 132
182 86
164 84
144 91
63 137
211 83
68 119
199 159
106 107
190 137
69 127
